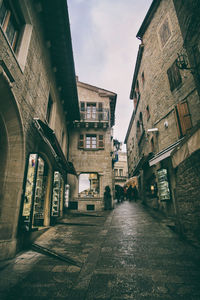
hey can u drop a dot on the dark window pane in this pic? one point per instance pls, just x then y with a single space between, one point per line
10 31
2 12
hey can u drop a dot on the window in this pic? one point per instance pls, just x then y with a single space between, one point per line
91 141
91 111
143 79
9 23
174 76
120 172
115 172
140 128
183 118
49 109
147 112
164 32
152 145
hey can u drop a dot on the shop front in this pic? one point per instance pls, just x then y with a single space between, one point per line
45 182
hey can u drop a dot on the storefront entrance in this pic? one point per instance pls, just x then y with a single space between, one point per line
35 192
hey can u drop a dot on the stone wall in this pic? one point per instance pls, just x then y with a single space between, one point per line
26 80
187 194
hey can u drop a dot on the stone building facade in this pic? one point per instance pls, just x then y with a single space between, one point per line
38 100
121 169
91 147
166 114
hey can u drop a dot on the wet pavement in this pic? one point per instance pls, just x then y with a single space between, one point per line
115 255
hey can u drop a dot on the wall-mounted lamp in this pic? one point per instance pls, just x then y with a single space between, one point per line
182 62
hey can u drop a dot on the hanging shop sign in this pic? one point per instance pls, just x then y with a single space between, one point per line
163 185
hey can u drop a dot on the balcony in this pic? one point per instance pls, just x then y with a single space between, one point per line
93 119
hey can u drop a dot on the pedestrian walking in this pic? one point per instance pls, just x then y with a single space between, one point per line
107 198
130 193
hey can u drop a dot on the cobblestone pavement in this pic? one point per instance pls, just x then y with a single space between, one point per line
119 254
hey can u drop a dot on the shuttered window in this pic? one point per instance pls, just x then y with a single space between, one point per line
91 141
183 118
174 76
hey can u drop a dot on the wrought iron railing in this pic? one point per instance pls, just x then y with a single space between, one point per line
102 115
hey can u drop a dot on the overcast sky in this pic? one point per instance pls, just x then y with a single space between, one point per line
105 48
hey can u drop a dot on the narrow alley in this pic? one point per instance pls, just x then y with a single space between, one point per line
120 254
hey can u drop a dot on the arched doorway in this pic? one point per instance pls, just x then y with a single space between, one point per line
11 168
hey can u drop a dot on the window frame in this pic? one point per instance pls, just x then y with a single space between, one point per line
88 140
10 18
174 77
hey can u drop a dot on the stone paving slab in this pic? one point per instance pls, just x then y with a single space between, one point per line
123 254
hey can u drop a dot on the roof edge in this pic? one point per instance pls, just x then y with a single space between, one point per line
148 18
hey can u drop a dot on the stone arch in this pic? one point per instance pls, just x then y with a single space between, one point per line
12 167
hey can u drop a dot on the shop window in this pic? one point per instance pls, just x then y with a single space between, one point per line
49 109
183 118
35 191
174 77
10 22
88 185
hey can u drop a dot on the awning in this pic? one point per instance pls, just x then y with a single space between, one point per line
143 160
163 154
50 139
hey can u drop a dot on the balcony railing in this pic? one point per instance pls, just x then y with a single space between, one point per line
94 116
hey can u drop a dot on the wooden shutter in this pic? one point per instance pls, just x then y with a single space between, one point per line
184 117
81 141
100 106
82 106
177 122
101 142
